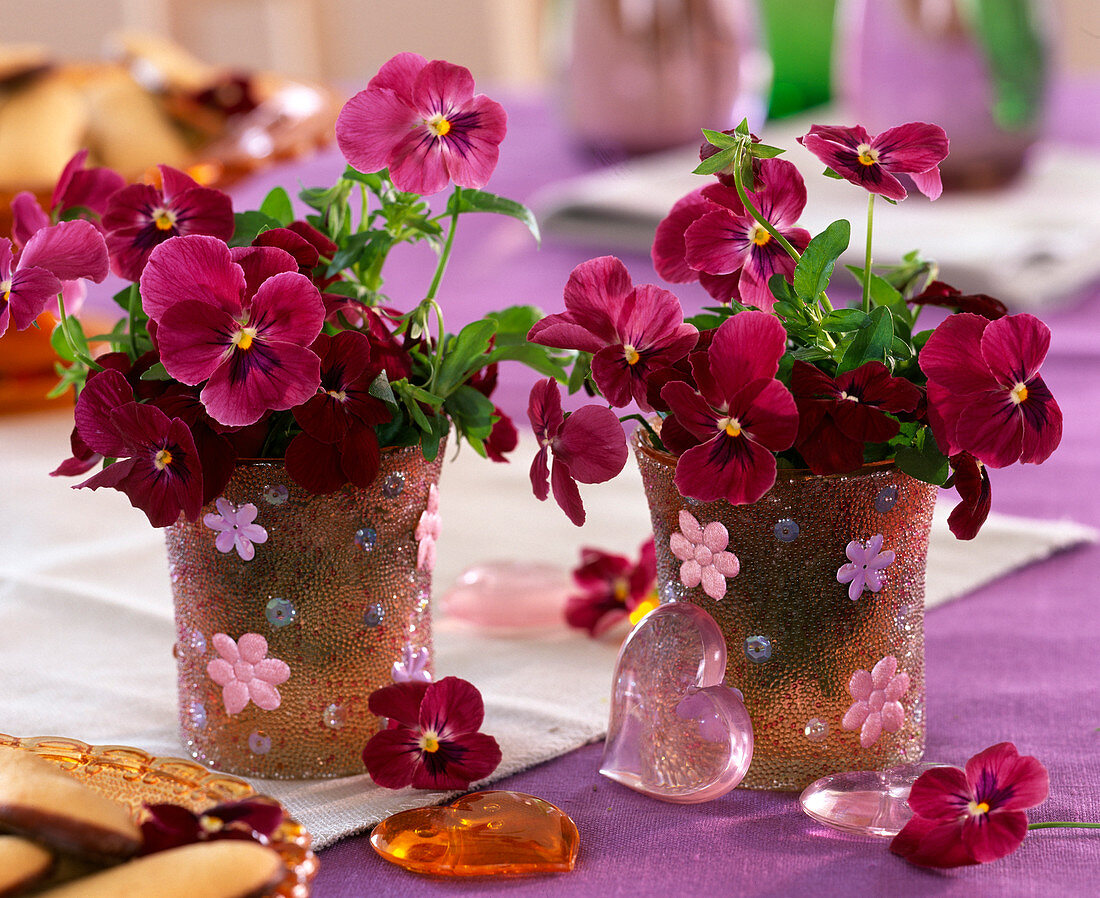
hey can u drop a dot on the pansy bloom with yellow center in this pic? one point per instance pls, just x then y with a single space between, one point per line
423 121
169 825
614 586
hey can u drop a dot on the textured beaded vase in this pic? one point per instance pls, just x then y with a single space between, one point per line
822 611
291 608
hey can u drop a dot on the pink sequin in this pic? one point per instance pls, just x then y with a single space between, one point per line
245 673
702 551
877 707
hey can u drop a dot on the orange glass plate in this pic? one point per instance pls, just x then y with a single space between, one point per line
136 777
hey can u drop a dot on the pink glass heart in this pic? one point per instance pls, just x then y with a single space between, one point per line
676 733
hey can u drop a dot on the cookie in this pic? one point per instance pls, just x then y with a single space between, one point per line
225 869
40 800
41 126
22 864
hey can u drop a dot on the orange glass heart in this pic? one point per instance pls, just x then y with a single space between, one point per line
485 833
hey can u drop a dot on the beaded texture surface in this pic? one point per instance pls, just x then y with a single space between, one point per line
794 638
335 592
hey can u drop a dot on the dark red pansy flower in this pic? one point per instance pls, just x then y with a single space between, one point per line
589 446
837 416
169 825
158 465
940 294
140 217
432 739
669 251
971 480
613 587
985 395
972 816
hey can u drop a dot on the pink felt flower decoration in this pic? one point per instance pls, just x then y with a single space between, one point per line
876 707
972 816
413 666
589 446
985 395
631 331
236 528
423 121
246 674
865 567
702 551
427 532
915 149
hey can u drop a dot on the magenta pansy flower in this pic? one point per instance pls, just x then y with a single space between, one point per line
630 330
156 466
741 414
423 121
669 251
876 707
915 149
702 551
432 741
165 826
971 480
973 816
613 587
866 563
413 666
589 446
236 528
242 322
985 395
728 239
427 532
246 674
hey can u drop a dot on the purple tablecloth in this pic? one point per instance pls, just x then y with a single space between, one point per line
1015 661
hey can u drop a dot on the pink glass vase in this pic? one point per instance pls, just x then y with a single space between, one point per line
282 638
796 639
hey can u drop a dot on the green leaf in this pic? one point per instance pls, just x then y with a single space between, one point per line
812 273
380 389
924 460
464 355
706 321
360 248
514 322
582 370
469 200
277 205
433 436
156 372
830 173
540 358
376 182
871 342
843 321
60 345
720 161
782 290
249 225
720 140
763 151
471 411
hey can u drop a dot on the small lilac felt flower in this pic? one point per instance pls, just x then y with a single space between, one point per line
915 149
236 528
589 446
246 674
703 553
423 121
413 666
865 568
427 532
876 707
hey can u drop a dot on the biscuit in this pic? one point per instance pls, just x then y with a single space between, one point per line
22 864
41 127
223 869
40 800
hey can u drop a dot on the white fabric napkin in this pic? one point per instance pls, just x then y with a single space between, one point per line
86 629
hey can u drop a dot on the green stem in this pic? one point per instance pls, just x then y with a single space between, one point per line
77 354
755 213
132 303
1062 824
653 437
867 256
441 267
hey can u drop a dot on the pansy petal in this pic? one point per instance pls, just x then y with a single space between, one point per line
990 427
717 243
392 757
262 262
69 250
692 412
27 217
399 73
272 377
927 843
594 292
195 267
669 251
993 836
783 196
370 125
1004 778
930 182
544 409
32 289
470 757
1014 347
1042 423
592 444
472 147
911 148
952 357
400 702
451 706
540 474
566 493
746 347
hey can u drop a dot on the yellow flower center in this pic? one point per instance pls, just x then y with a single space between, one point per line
6 287
643 609
210 824
1019 393
163 459
759 235
244 337
438 125
867 155
977 809
164 219
731 426
429 741
621 589
338 395
631 354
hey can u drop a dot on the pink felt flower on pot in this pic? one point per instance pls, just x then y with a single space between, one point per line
427 532
741 414
973 816
985 395
413 666
915 149
876 707
728 239
703 553
140 217
236 528
423 121
613 587
432 740
865 567
630 330
241 321
589 446
246 674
